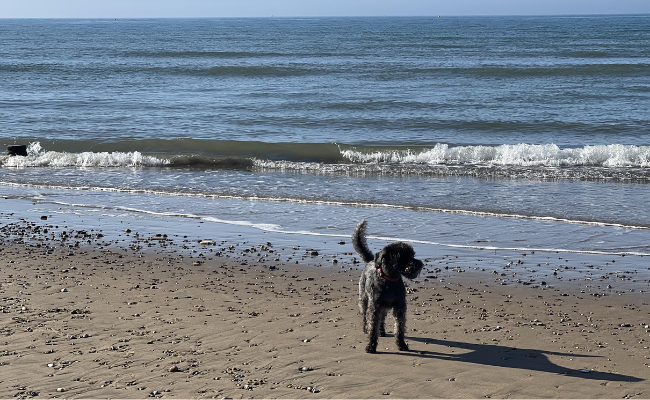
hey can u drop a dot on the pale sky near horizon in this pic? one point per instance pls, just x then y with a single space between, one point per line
297 8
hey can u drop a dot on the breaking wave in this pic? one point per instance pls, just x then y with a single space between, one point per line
546 161
39 157
545 155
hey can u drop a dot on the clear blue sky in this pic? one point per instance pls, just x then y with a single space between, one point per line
290 8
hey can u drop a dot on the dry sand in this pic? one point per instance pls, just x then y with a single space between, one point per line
120 323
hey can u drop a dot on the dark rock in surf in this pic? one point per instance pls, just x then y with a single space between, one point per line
17 150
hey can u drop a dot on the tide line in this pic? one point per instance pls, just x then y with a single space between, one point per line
334 203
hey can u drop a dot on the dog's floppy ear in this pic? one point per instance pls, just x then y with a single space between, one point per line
379 258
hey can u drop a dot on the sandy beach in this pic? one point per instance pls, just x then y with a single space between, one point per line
173 318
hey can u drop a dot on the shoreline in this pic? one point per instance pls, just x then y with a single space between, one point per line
166 321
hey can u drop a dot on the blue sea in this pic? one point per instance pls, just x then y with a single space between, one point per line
499 133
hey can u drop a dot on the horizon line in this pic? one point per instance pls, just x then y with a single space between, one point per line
348 16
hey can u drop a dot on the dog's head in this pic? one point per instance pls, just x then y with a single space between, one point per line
399 258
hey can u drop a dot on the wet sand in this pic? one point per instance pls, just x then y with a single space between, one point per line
185 320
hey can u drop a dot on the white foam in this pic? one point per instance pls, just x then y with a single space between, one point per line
548 155
39 157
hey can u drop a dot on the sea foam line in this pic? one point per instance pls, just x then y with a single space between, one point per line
547 155
334 203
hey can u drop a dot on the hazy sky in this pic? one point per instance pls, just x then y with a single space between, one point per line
290 8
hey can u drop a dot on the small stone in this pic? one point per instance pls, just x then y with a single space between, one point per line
173 368
314 253
50 365
60 390
44 217
452 379
207 242
64 290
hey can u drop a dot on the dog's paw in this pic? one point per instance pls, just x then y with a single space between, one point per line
371 349
403 346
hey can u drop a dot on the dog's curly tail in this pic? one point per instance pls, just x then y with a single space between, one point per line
359 242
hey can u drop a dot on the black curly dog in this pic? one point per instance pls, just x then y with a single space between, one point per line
381 287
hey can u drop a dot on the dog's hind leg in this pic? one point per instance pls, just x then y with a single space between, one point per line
400 327
363 309
373 325
363 303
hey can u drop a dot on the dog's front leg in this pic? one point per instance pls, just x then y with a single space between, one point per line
382 322
400 327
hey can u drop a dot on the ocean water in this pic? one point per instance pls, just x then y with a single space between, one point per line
495 133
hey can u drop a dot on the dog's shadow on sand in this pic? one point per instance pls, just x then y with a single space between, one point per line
509 357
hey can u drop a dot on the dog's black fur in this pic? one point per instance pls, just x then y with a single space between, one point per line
381 287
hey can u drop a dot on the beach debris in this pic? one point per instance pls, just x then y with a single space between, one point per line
231 370
311 389
252 383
